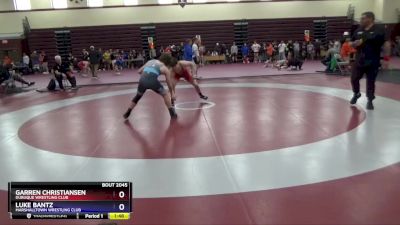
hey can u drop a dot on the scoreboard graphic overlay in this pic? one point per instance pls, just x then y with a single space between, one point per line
72 200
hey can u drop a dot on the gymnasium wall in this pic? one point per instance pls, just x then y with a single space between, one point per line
157 14
130 36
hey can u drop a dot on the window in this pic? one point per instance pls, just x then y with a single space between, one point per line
165 1
60 4
130 2
22 4
95 3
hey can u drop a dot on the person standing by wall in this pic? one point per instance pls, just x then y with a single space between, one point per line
256 50
196 54
282 50
188 51
368 40
245 53
234 52
44 62
35 62
202 50
296 50
25 60
94 60
310 51
317 47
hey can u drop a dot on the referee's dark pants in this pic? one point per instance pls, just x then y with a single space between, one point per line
371 72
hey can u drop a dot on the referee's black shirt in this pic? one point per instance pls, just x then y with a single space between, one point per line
369 52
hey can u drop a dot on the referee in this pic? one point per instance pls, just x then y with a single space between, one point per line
368 40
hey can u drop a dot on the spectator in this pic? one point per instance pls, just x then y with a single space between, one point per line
317 47
304 50
245 53
276 51
43 59
227 56
196 51
296 50
290 47
310 51
84 63
167 50
61 70
347 50
270 54
5 75
256 50
7 61
181 51
119 64
131 58
282 49
218 49
334 49
202 50
113 58
94 60
188 51
234 52
125 57
175 51
25 59
72 61
223 49
107 60
35 61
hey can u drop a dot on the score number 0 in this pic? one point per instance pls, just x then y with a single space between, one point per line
121 206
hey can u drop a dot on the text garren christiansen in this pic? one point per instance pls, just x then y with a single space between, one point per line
49 192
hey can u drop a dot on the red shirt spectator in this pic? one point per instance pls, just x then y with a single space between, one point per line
7 60
346 50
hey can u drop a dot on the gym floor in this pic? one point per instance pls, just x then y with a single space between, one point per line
262 150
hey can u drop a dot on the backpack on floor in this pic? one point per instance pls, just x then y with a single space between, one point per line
52 85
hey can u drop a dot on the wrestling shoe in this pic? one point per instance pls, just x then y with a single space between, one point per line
31 84
203 97
174 116
172 102
127 114
355 98
370 105
172 113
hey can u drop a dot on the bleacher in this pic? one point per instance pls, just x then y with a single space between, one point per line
129 36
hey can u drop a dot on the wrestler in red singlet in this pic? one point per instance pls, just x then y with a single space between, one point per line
182 70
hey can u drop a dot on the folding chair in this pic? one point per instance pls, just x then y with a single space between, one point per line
335 65
343 66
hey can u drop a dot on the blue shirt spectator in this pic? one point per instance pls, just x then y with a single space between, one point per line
188 52
245 50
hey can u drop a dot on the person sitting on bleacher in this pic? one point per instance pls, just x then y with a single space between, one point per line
6 75
60 71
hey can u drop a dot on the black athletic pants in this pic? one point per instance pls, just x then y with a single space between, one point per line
70 78
358 73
